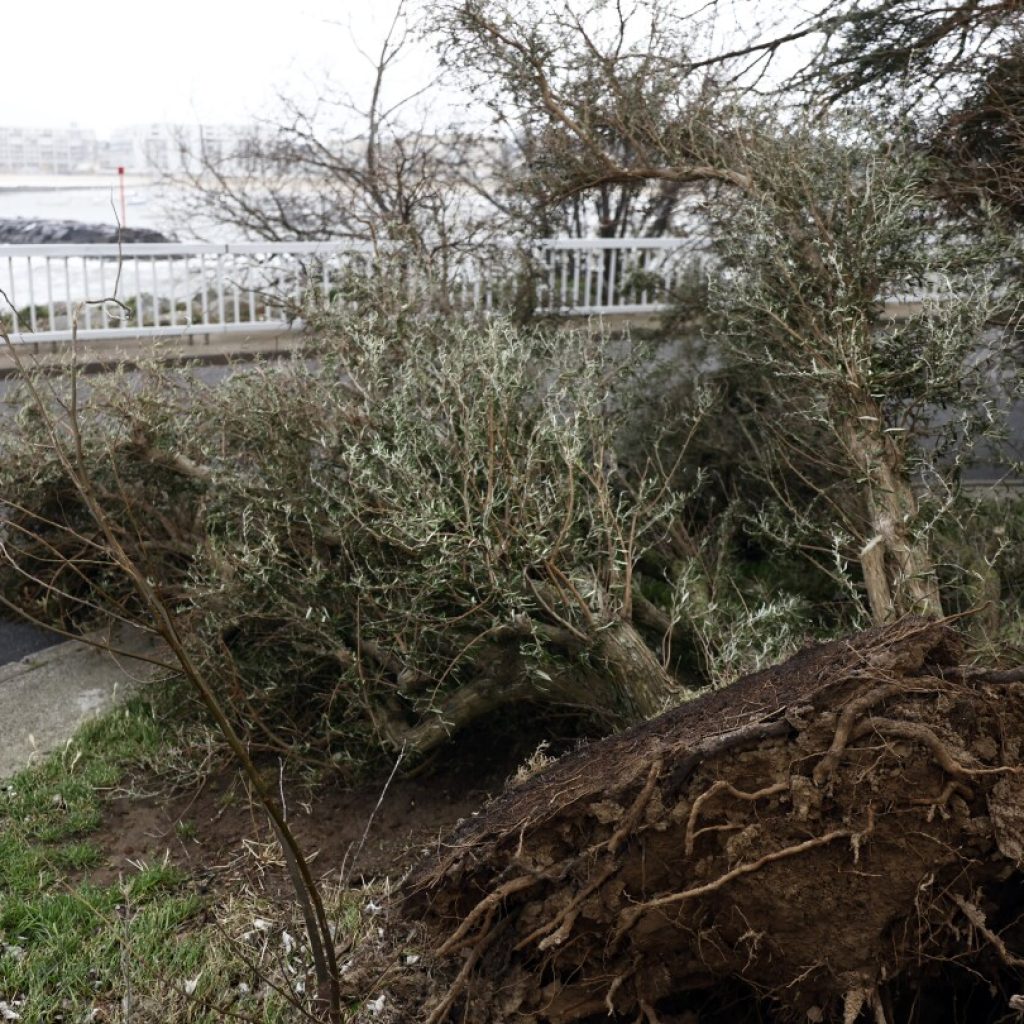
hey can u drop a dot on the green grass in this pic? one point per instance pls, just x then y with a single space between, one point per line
74 951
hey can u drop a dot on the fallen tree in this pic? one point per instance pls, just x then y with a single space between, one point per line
836 838
424 525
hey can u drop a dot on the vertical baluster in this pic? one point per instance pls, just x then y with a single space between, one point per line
138 291
12 295
237 294
204 298
186 287
575 277
220 288
31 296
86 294
155 301
172 291
49 293
68 297
104 319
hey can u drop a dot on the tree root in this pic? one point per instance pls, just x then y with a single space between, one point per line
721 786
981 676
977 920
628 918
939 803
848 721
567 912
625 886
487 936
927 737
632 817
488 903
857 998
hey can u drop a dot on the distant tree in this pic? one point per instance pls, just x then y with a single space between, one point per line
365 170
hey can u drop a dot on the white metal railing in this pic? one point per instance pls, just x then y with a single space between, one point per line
198 288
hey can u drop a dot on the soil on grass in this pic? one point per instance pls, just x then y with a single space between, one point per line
214 829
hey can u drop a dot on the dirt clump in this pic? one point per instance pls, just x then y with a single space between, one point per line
838 838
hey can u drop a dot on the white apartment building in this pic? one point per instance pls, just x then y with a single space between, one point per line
171 148
48 150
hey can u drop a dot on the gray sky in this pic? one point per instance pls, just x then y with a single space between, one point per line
128 61
120 62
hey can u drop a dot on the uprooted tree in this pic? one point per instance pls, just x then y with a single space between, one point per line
370 550
837 838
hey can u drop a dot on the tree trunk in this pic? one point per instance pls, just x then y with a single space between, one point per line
617 680
626 682
899 574
827 835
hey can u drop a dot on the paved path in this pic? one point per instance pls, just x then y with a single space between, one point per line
47 695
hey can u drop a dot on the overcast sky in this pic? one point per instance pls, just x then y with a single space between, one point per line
122 62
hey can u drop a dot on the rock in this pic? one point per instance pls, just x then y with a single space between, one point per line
28 231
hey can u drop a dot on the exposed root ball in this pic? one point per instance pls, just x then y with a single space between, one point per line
823 837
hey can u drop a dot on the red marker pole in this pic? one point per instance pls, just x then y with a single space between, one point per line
124 215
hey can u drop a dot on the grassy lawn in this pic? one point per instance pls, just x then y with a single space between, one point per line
151 946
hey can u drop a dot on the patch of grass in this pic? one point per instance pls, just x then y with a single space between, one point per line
145 949
47 809
186 830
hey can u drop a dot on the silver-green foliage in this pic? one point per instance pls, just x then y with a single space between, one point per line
874 407
376 544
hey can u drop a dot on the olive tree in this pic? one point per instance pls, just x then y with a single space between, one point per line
840 280
375 549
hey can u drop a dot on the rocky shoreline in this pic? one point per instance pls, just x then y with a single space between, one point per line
33 231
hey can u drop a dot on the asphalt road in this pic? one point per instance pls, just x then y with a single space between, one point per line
19 639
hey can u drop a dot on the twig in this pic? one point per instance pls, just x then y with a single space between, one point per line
373 814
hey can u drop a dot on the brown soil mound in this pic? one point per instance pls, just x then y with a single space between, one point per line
372 831
833 839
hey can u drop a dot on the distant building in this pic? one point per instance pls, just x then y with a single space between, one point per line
48 150
173 148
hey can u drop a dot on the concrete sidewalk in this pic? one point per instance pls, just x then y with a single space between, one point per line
46 696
